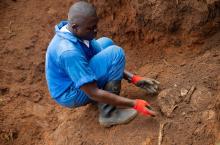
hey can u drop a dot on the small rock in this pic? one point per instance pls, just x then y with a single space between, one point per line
183 92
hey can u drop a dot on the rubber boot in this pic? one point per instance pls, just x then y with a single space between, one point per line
110 115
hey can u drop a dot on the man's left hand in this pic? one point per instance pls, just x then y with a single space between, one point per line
150 85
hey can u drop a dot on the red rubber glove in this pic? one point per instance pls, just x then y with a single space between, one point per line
143 107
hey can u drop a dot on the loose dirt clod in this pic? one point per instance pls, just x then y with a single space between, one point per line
168 100
201 99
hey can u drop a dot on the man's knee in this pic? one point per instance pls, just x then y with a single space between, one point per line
108 64
105 42
117 52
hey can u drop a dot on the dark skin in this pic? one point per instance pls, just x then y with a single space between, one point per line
86 29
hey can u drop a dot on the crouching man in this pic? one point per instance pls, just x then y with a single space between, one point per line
82 70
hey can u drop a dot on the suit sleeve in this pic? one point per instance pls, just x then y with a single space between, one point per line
77 68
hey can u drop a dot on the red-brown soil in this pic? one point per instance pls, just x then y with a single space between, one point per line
175 42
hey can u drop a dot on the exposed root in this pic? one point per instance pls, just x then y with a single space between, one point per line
188 96
160 137
166 62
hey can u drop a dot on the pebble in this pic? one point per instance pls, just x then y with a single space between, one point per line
183 92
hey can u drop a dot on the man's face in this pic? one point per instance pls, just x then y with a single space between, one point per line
87 30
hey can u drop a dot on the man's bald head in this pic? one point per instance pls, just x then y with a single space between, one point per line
79 11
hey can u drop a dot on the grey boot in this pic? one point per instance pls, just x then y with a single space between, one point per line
110 115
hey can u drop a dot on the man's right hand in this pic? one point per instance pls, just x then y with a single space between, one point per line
143 108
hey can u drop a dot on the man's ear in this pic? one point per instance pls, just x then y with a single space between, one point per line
74 27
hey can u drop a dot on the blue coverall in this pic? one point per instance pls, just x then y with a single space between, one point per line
70 64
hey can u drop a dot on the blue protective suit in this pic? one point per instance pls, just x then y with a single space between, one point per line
70 64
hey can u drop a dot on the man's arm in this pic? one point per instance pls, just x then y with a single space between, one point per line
103 96
127 75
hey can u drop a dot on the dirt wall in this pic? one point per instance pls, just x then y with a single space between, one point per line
142 20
